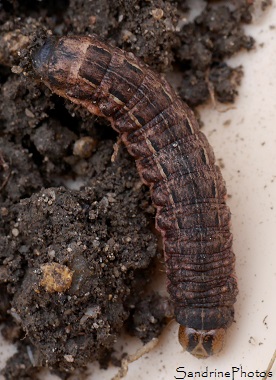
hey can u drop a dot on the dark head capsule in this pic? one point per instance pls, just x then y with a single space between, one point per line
57 63
42 57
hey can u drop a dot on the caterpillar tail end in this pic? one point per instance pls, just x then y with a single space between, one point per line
201 343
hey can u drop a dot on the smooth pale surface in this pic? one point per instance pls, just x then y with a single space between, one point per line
244 138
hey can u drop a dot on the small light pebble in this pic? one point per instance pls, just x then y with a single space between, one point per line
84 147
56 277
157 13
69 358
15 232
29 113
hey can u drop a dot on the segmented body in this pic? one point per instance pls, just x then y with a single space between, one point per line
175 160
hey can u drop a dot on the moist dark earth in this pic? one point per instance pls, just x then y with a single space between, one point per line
64 204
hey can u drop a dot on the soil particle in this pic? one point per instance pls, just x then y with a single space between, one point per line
102 232
19 176
149 312
215 35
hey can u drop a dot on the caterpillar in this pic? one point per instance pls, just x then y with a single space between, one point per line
175 160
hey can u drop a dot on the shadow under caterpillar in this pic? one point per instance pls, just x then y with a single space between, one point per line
175 160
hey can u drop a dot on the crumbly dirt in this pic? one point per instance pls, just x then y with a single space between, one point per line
102 232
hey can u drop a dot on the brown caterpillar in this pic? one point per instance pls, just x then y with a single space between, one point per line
175 160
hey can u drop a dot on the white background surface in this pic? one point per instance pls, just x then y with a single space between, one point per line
244 138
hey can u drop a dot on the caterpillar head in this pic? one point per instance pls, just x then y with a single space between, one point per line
42 56
53 62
